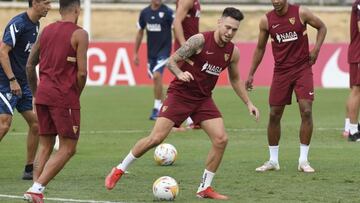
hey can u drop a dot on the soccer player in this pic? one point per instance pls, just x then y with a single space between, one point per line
186 24
353 103
19 36
286 25
157 19
205 56
61 51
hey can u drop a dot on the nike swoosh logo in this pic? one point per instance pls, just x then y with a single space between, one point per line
207 52
275 26
332 75
311 93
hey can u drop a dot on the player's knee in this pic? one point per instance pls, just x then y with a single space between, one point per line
34 127
221 141
155 140
4 128
274 116
306 114
69 152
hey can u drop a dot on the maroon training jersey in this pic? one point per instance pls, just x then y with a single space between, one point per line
205 67
191 22
58 67
289 38
354 47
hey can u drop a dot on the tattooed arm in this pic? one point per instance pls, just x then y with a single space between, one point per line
192 46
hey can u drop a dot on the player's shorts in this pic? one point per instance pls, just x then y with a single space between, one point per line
354 74
284 83
56 120
157 64
9 101
177 109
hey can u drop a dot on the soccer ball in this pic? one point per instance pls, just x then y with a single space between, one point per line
165 188
165 154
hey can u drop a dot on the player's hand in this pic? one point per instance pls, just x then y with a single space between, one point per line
136 60
253 111
15 88
313 56
249 83
185 76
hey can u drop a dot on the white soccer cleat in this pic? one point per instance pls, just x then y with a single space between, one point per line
268 166
305 167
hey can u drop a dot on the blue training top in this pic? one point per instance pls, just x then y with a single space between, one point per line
20 34
158 25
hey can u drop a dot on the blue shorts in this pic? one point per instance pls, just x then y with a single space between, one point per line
8 101
157 64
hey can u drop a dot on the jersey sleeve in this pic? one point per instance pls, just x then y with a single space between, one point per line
141 22
170 16
12 33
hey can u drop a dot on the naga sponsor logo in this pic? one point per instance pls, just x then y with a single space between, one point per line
286 37
211 69
153 27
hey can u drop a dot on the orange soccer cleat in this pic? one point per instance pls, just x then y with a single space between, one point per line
113 177
34 197
211 194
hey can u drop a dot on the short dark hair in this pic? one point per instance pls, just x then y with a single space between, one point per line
233 13
65 4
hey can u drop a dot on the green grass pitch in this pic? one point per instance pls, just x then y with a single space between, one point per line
114 118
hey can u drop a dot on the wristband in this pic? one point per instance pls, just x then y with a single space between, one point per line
12 79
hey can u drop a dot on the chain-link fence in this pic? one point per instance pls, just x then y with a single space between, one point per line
237 2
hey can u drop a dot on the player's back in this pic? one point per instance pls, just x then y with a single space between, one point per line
58 67
206 67
20 33
354 47
288 38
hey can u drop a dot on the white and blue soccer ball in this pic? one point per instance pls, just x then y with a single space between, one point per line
165 154
165 188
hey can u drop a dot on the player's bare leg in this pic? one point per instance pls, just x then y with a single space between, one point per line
274 134
353 106
219 139
158 94
32 142
66 150
45 150
5 123
158 134
52 167
306 129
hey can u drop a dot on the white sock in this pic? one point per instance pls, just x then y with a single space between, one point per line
347 125
36 188
189 121
304 150
157 104
126 162
274 153
353 128
206 180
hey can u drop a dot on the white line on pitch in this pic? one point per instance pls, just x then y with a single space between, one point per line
144 131
59 199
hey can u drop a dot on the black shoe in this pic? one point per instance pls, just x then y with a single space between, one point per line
27 175
354 138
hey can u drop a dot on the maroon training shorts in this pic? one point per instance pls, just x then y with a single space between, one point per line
354 74
284 83
177 109
55 120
